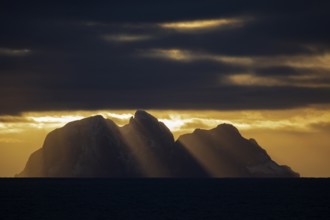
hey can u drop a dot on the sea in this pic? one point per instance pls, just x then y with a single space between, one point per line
300 198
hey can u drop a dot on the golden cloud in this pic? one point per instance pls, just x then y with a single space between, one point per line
202 24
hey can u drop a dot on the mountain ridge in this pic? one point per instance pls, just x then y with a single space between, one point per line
145 147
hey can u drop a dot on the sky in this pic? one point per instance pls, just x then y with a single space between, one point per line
262 65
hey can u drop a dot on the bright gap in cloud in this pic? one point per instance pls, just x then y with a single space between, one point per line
201 24
180 121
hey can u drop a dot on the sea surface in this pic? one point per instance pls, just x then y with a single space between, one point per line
164 199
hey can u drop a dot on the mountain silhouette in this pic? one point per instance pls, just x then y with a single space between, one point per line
145 147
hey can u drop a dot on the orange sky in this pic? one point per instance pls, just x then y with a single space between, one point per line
297 137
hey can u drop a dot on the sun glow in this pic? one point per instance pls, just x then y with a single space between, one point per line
54 119
178 121
280 132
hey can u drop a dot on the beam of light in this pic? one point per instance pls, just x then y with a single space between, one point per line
206 158
147 161
201 24
14 52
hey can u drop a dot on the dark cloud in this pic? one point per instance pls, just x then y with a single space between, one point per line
56 56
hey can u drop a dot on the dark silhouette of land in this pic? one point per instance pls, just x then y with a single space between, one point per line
145 147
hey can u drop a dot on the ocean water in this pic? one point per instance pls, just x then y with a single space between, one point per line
164 199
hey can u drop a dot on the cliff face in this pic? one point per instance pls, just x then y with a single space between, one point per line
226 153
97 147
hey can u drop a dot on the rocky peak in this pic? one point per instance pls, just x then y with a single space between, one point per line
97 147
148 125
142 115
227 129
96 119
92 122
143 118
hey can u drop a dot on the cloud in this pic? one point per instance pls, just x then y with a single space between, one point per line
198 25
13 119
321 126
125 38
186 55
14 52
312 62
166 55
250 79
311 119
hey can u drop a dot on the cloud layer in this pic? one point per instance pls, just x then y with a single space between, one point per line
164 55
